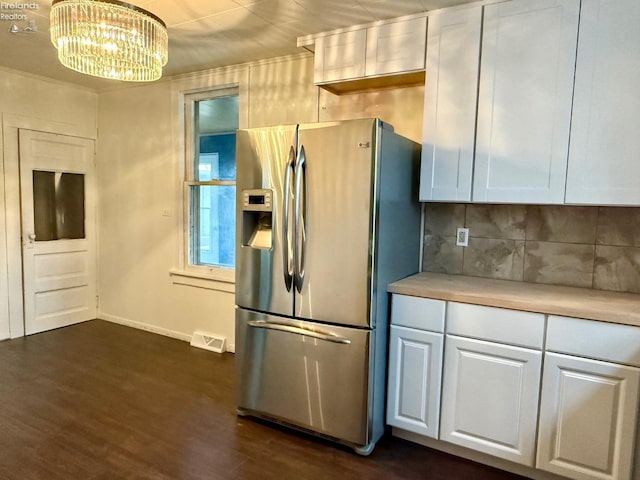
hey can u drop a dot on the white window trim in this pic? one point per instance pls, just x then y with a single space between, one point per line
214 281
200 276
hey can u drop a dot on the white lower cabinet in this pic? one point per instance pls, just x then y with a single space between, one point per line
577 417
415 366
490 398
588 418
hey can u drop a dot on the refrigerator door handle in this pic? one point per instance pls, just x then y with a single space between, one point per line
300 217
287 254
285 327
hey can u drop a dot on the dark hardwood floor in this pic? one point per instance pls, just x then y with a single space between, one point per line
103 401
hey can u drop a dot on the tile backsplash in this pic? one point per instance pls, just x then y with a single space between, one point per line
592 247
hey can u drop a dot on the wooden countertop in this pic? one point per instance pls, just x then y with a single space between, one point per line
600 305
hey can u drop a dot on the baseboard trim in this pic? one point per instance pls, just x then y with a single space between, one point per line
231 347
144 326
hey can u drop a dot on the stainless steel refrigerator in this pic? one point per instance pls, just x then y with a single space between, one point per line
327 216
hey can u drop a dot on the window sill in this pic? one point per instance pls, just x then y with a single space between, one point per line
223 281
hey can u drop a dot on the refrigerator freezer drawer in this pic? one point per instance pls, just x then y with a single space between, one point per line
305 374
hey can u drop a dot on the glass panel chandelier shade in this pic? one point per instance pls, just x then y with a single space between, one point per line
109 39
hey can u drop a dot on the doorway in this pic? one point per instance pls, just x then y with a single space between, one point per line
58 199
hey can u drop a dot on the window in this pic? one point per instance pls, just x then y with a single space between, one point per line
210 181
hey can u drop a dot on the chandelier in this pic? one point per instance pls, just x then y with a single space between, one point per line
109 39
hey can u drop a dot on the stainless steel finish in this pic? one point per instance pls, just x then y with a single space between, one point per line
300 217
287 326
338 225
345 222
262 156
287 251
302 381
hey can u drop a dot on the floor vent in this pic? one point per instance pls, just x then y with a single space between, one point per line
208 341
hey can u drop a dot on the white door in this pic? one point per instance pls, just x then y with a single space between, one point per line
450 96
396 47
603 160
57 182
524 101
340 56
588 417
490 398
415 366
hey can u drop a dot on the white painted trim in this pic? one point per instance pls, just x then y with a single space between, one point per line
231 68
5 326
144 326
182 89
200 280
11 123
45 79
13 229
11 120
231 347
421 253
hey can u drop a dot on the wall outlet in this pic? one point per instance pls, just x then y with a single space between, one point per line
462 237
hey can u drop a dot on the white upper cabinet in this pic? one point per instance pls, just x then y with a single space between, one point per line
496 123
340 56
524 103
379 55
452 63
603 156
396 47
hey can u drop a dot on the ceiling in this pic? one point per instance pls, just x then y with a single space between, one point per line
205 34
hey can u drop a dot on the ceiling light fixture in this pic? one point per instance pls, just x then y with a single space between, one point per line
109 39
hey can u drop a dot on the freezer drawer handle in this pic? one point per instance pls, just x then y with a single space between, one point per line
329 337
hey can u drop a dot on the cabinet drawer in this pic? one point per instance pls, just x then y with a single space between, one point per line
525 329
599 340
419 313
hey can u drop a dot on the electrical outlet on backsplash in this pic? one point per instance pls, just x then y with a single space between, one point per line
591 247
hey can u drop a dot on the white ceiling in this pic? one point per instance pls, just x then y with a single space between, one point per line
209 33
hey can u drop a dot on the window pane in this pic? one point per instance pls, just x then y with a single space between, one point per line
216 124
213 225
58 205
217 159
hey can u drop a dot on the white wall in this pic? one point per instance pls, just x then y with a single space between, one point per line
140 163
31 102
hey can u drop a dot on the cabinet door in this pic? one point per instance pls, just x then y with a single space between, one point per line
450 95
490 398
587 418
340 56
524 104
603 155
415 365
396 47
